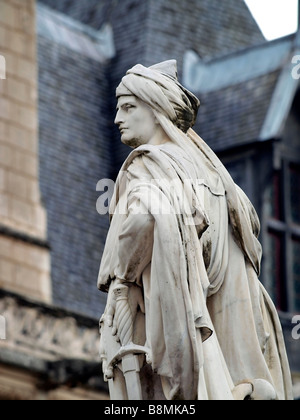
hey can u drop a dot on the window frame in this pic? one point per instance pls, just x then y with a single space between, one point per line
283 224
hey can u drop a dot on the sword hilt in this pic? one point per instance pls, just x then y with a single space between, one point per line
123 315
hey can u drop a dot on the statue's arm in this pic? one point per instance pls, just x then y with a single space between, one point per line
135 244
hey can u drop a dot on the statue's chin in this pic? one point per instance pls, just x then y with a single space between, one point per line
133 143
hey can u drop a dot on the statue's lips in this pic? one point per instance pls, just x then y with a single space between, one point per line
122 130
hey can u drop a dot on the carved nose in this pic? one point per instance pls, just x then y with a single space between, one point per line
118 119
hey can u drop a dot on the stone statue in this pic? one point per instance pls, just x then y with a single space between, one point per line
186 316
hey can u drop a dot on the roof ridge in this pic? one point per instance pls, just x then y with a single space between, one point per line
64 30
208 76
241 51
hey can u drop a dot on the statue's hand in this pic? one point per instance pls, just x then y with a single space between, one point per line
136 300
110 316
115 313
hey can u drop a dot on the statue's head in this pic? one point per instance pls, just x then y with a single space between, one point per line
137 122
149 96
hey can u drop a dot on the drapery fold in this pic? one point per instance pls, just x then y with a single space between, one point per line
188 300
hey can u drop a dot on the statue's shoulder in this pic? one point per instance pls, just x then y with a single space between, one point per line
135 168
143 153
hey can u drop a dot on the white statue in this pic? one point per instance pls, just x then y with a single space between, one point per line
186 317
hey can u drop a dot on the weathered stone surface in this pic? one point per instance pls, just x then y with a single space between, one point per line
25 268
47 333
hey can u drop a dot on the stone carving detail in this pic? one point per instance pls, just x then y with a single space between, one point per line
37 331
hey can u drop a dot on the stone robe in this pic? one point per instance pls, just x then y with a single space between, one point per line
195 256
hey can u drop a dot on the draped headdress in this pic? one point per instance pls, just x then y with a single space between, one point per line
158 87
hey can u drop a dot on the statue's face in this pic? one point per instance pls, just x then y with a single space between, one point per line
136 121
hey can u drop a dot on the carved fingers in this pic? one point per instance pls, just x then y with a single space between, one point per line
136 299
123 305
110 315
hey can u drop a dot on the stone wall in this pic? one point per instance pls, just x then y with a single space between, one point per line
16 385
48 353
24 255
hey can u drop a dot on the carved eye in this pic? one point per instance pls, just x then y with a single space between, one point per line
128 107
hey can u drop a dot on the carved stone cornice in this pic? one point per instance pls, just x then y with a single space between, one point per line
47 333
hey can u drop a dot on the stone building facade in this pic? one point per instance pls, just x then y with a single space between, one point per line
46 352
64 60
24 252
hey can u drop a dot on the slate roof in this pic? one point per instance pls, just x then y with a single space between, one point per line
75 153
222 26
58 28
216 27
235 115
246 96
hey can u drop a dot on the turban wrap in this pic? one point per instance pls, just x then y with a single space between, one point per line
162 92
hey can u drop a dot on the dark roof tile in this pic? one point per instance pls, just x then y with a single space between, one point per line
235 115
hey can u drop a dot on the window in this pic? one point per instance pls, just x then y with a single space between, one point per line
296 272
295 193
282 241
